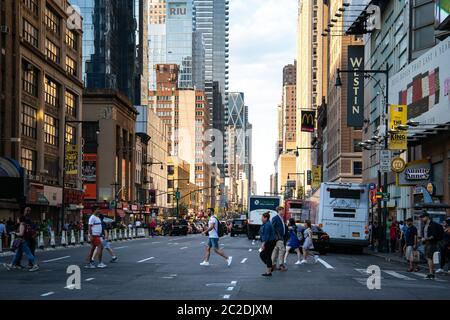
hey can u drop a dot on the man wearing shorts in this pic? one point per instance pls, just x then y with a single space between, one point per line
410 234
105 240
213 233
95 232
430 239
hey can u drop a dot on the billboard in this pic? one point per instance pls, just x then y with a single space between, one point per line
177 10
397 116
416 173
316 176
424 86
71 159
89 173
355 87
308 121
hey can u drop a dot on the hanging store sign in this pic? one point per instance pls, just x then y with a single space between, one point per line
398 165
308 121
71 159
355 87
397 116
415 173
316 177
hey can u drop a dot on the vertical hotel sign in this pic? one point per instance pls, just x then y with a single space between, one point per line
355 87
398 115
308 121
71 159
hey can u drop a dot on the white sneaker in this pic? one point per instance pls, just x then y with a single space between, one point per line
440 270
34 268
101 265
204 263
303 261
298 262
316 258
229 260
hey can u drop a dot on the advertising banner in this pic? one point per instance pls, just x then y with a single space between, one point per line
355 87
316 177
89 167
71 159
397 116
308 121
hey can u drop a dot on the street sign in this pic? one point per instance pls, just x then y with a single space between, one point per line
386 196
385 161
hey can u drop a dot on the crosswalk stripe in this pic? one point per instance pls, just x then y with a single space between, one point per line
243 260
398 275
56 259
326 264
143 260
47 294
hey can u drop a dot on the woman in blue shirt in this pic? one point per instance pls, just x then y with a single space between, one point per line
267 234
293 242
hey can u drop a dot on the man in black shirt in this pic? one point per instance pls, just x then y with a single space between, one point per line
411 245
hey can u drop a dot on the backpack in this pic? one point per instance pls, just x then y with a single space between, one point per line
220 230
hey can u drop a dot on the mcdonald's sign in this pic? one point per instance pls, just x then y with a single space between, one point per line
308 121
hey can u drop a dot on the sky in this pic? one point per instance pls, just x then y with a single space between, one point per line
262 42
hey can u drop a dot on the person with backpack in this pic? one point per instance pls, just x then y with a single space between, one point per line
214 232
21 246
432 233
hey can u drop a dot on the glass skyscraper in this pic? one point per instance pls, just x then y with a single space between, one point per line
109 45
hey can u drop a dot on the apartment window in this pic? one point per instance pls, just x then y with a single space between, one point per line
52 20
51 92
169 184
32 5
71 66
71 39
28 160
71 103
357 167
30 33
29 79
423 24
29 123
71 134
52 166
50 130
52 51
170 170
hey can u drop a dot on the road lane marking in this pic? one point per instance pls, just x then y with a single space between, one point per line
173 275
47 294
326 264
56 259
233 283
250 250
120 247
398 275
156 242
230 288
167 277
183 248
89 279
203 242
227 296
143 260
70 286
243 260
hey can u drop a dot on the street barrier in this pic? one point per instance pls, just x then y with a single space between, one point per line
13 237
147 233
52 239
121 234
41 240
134 233
126 234
72 238
1 244
81 236
130 233
115 234
63 239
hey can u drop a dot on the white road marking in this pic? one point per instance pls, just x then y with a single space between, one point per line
156 242
120 248
71 286
89 279
243 260
250 250
56 259
233 283
167 277
47 294
398 275
143 260
326 264
173 275
183 248
227 296
230 288
363 271
203 242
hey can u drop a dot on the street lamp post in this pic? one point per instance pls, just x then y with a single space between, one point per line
63 200
385 72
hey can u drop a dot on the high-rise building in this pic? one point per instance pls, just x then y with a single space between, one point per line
40 92
109 45
289 107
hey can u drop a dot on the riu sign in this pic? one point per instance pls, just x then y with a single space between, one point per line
355 87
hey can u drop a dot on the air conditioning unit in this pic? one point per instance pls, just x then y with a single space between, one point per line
4 29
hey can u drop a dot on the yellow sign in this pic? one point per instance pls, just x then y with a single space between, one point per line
71 159
316 176
398 165
398 115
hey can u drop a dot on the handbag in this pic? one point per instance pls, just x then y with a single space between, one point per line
16 244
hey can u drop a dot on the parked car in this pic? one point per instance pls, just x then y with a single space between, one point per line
179 228
224 226
239 226
321 240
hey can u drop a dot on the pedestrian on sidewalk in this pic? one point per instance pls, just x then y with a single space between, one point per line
268 239
308 245
411 245
105 239
22 247
213 234
445 248
95 232
432 234
393 236
293 242
402 227
152 227
281 235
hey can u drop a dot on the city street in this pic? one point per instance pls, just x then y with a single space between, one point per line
168 268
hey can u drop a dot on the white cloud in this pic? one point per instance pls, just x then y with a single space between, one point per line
262 41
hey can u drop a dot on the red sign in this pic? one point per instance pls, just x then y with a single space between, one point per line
73 196
90 191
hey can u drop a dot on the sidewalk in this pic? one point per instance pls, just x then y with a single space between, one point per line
391 257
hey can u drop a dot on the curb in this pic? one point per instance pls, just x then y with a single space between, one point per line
388 259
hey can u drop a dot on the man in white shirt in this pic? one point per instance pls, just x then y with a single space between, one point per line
213 233
95 232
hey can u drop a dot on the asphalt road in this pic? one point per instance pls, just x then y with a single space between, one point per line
168 268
